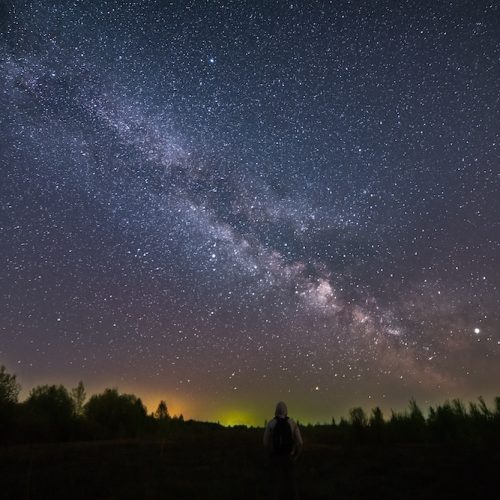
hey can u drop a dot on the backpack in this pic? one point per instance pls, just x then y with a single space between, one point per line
282 437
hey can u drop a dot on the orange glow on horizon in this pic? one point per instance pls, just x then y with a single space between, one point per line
176 405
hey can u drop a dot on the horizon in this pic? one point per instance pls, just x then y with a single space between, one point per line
233 204
232 416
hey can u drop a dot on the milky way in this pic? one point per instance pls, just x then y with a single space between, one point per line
222 204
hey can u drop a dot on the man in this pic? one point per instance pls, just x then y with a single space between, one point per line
283 441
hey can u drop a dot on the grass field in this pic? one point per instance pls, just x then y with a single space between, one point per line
230 463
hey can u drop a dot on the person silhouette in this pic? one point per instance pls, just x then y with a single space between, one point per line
283 441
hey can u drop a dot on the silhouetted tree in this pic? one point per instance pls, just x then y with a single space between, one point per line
474 412
496 419
357 417
358 421
459 409
163 422
50 411
377 417
377 425
9 388
398 426
497 406
482 421
9 391
416 414
448 422
483 407
416 428
161 412
78 395
116 415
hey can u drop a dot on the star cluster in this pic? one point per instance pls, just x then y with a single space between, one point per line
224 203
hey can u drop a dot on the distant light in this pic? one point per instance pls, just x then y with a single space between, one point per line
317 388
477 330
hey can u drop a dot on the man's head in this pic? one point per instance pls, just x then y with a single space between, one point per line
281 410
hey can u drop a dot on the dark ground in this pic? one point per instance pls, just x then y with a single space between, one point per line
231 464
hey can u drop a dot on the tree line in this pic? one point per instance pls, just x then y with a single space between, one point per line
54 413
451 422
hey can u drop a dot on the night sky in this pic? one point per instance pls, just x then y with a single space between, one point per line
223 204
